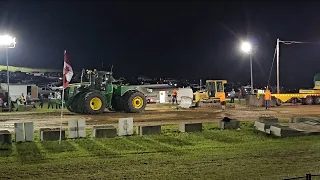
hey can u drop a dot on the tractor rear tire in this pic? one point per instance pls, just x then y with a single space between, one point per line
70 108
309 100
94 103
134 102
81 103
75 104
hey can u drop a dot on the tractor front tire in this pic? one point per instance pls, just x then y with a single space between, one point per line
94 103
134 102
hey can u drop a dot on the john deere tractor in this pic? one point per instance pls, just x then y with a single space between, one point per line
102 92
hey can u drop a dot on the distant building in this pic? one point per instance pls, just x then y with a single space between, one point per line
16 89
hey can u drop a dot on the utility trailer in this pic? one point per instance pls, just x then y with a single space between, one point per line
307 96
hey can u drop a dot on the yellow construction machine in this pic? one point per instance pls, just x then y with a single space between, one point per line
209 96
306 96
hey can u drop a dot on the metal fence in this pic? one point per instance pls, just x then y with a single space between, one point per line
306 177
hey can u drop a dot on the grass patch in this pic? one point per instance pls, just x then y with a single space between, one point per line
173 141
50 147
211 154
28 153
93 148
6 150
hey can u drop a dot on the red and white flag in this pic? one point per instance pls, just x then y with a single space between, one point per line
67 71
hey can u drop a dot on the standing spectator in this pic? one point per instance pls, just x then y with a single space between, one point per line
23 100
222 98
50 101
174 96
232 95
58 95
41 100
1 102
28 99
58 98
239 95
267 98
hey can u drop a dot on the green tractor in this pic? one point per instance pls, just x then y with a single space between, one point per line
101 92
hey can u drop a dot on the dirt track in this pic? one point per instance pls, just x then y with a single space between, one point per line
161 115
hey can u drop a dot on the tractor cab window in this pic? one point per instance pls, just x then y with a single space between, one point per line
219 86
211 89
109 78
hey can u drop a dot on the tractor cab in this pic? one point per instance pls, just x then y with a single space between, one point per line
214 87
99 80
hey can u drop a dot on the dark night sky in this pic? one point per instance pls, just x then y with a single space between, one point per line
175 39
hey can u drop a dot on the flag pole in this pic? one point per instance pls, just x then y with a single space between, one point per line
62 103
62 98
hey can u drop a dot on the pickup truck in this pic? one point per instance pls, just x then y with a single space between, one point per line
54 87
45 91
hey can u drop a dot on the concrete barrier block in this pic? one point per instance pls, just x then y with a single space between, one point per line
29 131
19 132
232 124
145 130
268 120
47 134
77 128
263 127
252 100
284 131
104 131
125 126
303 119
260 102
5 137
190 127
312 122
82 128
73 128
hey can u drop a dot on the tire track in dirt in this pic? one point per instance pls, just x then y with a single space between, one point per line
161 116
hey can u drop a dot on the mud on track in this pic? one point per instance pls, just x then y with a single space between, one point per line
156 114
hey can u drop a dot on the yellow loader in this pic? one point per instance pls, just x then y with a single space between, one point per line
209 97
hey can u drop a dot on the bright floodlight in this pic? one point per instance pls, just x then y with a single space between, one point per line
246 47
7 41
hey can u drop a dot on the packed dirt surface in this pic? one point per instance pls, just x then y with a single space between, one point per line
160 114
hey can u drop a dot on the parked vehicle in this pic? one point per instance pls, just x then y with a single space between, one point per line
45 91
54 87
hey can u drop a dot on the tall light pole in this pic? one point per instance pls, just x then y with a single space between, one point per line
246 47
278 75
6 42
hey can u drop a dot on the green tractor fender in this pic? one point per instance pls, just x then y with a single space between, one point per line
126 89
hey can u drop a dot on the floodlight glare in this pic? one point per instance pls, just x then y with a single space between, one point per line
7 41
246 47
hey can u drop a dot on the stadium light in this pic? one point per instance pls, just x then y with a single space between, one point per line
246 47
6 42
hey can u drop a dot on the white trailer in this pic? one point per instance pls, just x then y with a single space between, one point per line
17 89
